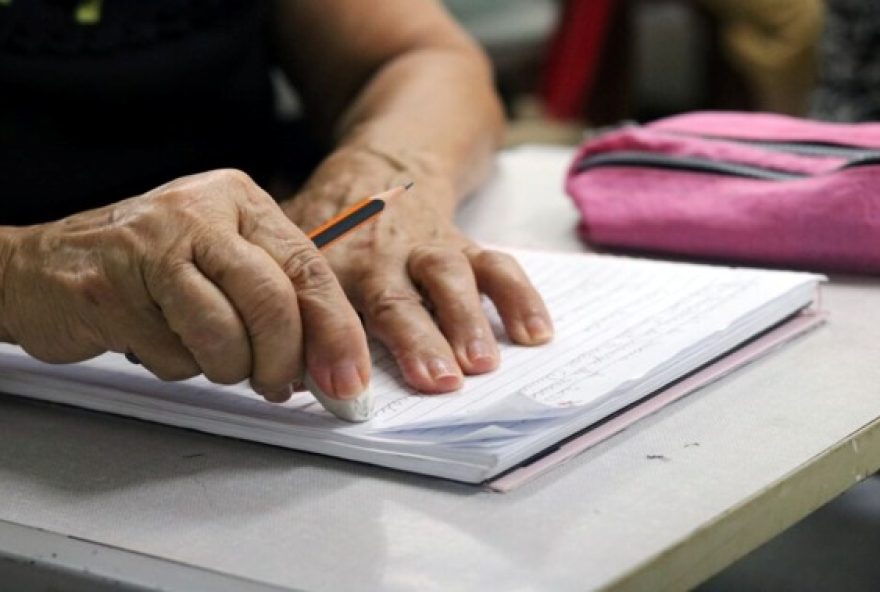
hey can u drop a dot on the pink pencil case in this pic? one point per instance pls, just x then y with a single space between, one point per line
748 187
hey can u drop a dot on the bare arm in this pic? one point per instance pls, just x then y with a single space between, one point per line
397 79
405 95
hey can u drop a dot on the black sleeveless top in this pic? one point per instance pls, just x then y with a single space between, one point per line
104 99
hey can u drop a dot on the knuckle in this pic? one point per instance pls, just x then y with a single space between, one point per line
270 310
495 267
388 302
190 196
241 187
494 261
466 307
177 199
308 271
230 176
436 260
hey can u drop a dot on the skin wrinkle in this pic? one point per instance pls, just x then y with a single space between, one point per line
267 313
393 162
118 297
211 331
42 332
409 97
388 300
206 331
309 271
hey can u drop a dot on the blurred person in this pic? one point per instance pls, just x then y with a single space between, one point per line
136 141
849 81
773 44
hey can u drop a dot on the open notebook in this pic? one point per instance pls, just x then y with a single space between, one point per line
625 328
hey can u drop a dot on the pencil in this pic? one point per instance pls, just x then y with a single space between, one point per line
360 408
353 217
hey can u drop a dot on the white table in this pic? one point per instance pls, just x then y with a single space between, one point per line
661 506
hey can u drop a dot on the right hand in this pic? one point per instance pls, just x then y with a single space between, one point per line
202 275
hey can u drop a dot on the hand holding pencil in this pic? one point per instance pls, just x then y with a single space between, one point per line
358 408
418 282
203 275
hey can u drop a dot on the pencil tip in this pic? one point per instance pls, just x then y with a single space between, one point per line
408 185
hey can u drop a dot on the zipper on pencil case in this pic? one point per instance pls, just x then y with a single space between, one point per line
809 148
694 164
802 148
691 164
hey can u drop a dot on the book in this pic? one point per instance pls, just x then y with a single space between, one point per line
625 328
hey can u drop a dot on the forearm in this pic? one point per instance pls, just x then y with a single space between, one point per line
405 91
429 112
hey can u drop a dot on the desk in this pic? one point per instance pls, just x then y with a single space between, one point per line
661 506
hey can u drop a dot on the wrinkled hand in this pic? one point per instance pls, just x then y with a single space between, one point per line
202 275
413 261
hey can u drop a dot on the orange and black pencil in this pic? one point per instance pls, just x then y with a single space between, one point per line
353 217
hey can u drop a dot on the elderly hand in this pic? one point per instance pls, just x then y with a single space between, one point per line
413 261
202 275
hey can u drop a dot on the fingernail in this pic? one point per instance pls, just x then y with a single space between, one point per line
346 380
479 351
277 396
538 328
440 369
443 372
357 409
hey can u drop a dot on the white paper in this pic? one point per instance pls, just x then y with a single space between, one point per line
619 322
616 320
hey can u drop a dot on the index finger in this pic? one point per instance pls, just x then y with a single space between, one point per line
336 351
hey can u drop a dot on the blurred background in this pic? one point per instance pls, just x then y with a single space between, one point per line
563 65
566 66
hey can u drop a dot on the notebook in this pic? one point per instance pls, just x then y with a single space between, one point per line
625 328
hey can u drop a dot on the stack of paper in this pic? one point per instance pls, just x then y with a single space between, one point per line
624 329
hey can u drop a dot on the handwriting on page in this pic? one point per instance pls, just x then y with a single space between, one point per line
602 362
615 321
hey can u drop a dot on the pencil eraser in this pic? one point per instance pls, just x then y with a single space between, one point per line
355 410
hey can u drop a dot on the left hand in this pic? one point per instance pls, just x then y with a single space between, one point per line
413 260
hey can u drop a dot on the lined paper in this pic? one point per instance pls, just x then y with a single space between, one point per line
623 325
616 320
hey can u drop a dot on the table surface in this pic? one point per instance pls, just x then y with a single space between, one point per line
660 506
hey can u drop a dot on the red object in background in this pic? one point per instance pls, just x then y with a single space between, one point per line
574 57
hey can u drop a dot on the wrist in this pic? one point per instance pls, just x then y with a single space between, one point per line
358 170
396 152
452 151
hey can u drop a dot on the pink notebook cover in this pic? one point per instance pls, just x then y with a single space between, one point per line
802 322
